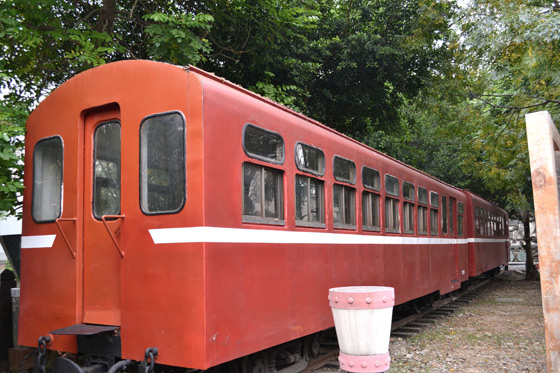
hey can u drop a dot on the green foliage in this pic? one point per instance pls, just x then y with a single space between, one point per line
12 130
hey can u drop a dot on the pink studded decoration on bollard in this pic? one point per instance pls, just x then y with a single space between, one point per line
362 318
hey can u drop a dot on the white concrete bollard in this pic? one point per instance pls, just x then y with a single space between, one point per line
362 318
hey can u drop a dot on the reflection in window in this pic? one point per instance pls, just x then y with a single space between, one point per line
107 170
344 205
47 180
392 221
344 170
310 159
392 185
408 191
422 195
263 144
162 163
309 200
262 192
371 178
370 211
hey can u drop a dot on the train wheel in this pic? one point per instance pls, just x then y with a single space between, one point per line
258 363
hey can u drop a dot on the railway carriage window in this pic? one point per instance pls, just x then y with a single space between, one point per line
460 218
371 218
444 214
107 170
310 159
477 220
162 163
392 220
408 207
344 170
262 144
422 211
392 185
371 178
309 200
263 200
434 212
370 211
451 226
47 180
344 206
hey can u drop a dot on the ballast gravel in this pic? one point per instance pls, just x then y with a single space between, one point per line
502 330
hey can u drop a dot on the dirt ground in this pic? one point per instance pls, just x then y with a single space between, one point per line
500 331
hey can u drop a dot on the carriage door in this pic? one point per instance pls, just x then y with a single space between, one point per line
102 219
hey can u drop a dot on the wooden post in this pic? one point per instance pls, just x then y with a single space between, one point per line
544 154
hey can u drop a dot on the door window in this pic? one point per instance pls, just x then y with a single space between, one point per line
107 170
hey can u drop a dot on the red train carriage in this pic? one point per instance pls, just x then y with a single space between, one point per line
182 212
488 236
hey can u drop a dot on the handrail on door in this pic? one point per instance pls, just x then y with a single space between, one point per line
64 235
103 219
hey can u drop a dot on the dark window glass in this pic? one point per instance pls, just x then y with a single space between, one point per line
422 195
344 170
310 159
434 199
422 220
47 180
370 211
451 226
107 170
371 178
344 205
392 185
392 220
162 163
262 193
460 225
408 191
262 144
444 214
309 200
460 207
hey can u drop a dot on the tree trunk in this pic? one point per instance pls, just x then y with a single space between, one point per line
107 17
531 273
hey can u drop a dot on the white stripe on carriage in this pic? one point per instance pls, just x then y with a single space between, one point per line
240 235
36 242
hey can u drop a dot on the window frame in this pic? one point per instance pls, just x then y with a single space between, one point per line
370 187
185 179
33 194
341 180
321 204
258 156
279 188
434 208
367 209
94 176
305 169
345 225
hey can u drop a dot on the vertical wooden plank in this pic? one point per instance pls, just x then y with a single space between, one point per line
544 143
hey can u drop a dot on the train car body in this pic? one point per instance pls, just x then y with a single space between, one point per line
488 230
197 217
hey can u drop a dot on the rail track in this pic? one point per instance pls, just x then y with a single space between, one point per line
404 327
